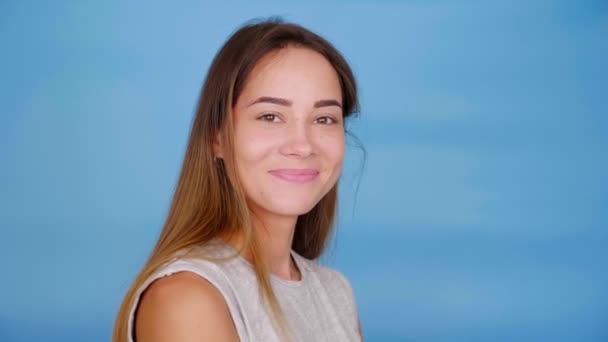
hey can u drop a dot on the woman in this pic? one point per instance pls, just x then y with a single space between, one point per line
255 202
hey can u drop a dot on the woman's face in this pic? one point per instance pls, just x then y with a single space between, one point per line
289 132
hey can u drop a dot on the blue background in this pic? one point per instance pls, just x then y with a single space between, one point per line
480 214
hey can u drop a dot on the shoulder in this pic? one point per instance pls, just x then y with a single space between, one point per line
183 307
341 282
331 279
327 275
341 290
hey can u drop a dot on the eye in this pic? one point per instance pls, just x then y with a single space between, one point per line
327 120
270 117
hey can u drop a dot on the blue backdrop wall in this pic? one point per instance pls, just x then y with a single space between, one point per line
480 214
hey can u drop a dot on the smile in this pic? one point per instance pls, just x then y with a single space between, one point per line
295 175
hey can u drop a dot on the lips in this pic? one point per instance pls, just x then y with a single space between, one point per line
295 175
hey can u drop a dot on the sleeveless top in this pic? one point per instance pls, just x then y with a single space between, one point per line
318 307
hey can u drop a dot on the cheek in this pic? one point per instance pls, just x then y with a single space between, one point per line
252 146
334 147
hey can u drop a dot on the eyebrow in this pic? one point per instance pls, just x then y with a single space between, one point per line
287 103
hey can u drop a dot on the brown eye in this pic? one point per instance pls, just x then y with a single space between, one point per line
327 120
268 117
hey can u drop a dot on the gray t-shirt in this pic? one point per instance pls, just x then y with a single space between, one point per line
319 307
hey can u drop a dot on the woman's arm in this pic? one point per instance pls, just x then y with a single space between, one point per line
183 307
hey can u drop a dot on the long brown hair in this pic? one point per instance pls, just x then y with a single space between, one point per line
209 201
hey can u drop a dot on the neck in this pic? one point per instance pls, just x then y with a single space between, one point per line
275 236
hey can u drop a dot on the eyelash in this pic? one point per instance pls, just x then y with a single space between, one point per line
267 115
334 121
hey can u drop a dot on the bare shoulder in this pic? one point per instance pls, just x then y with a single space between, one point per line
183 307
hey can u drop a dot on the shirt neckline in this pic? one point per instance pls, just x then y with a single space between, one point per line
275 278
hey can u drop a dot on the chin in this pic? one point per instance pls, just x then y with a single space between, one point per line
291 209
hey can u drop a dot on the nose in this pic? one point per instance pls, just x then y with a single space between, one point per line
298 141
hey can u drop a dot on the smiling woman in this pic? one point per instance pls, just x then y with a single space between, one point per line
298 146
255 202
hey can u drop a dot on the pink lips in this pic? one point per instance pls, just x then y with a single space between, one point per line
295 175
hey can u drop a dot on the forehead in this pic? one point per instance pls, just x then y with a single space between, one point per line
295 73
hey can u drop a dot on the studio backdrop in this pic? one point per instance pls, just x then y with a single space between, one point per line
478 211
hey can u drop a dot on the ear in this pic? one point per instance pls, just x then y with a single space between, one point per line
218 146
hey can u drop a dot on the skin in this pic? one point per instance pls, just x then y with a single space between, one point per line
297 133
183 307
